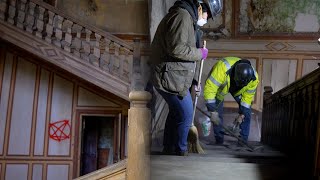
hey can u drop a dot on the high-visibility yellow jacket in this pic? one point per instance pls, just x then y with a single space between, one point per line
218 84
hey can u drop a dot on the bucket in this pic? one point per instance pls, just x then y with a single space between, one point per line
206 127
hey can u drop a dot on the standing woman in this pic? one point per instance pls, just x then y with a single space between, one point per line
174 57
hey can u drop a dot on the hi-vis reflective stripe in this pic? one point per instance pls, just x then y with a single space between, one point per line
214 81
226 63
245 105
222 94
251 91
211 101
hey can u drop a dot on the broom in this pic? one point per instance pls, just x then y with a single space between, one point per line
193 136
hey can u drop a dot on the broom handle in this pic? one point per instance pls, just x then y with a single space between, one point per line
199 82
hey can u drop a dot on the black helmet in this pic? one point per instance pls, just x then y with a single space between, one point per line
215 6
243 74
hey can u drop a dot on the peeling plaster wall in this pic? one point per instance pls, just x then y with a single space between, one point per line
279 16
120 16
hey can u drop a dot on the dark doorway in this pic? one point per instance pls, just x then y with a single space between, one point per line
99 142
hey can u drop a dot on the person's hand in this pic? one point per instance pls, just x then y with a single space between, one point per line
197 89
204 52
214 118
239 119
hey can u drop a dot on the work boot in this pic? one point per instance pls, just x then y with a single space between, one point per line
182 153
167 151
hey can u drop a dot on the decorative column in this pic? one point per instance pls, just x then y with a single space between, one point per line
139 118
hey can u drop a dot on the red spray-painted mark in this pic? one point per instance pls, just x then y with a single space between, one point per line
60 130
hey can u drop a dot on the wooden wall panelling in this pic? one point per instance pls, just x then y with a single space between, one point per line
87 98
2 171
309 65
16 171
40 129
58 171
30 169
61 110
259 88
2 61
10 102
45 170
48 113
21 119
73 123
37 171
35 110
299 68
278 72
4 101
1 177
77 143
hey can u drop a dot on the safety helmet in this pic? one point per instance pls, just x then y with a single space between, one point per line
215 6
243 74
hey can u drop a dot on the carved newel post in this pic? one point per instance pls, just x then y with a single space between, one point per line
139 136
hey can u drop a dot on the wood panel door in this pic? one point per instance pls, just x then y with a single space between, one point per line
90 144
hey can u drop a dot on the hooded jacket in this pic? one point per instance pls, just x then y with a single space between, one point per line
218 84
174 51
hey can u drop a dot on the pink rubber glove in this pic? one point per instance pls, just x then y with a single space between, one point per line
204 52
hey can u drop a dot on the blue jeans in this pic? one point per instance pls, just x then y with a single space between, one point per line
244 126
178 121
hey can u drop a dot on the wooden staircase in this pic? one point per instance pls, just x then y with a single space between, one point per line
82 49
79 48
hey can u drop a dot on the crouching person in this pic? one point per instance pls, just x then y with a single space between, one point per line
235 76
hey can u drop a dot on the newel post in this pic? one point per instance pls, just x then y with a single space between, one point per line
139 117
265 127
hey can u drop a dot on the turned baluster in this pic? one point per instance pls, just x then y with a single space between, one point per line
95 57
121 62
12 11
21 13
86 45
57 28
76 42
105 56
40 24
49 27
116 60
68 36
29 22
126 64
3 9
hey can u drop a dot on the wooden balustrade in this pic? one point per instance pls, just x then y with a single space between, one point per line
99 48
291 121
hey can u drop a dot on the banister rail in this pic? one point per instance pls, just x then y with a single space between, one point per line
85 25
291 122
